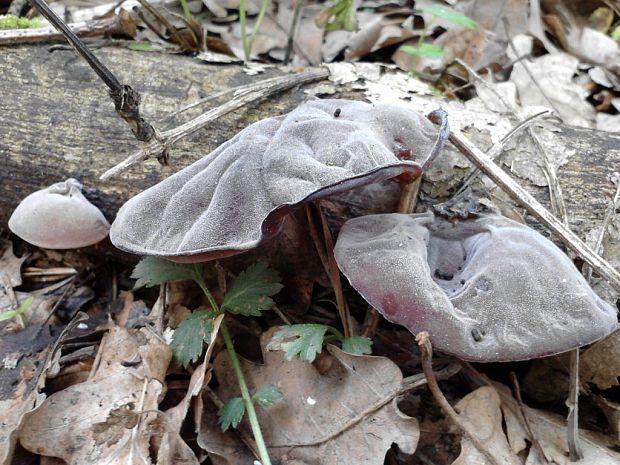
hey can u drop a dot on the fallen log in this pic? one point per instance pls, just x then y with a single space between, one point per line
56 121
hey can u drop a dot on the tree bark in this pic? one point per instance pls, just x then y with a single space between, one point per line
57 121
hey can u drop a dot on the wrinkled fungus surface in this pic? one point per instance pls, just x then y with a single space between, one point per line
231 199
486 289
59 217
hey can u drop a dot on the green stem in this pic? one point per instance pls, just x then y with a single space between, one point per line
247 398
245 393
186 12
201 282
259 21
244 37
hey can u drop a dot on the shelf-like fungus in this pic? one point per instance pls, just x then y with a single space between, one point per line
485 289
236 196
59 217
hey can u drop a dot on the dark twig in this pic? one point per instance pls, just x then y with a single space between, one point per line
526 421
426 351
291 33
126 100
324 244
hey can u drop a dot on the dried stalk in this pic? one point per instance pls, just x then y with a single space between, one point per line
427 365
324 244
159 146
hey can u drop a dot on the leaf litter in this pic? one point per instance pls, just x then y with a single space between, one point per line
574 75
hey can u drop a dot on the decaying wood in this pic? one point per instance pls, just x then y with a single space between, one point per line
97 28
56 121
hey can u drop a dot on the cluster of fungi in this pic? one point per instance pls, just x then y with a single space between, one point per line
485 288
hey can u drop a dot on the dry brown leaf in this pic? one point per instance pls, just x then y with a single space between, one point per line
600 363
11 266
348 411
611 410
481 409
550 432
25 370
555 90
78 425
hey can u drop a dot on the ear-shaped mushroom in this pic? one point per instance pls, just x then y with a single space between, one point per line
230 200
485 289
59 217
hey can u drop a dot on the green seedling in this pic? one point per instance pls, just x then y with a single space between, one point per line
25 305
425 50
249 294
248 41
305 341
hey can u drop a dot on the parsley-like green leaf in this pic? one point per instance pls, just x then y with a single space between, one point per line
267 395
250 292
307 342
190 335
442 11
231 413
153 271
357 345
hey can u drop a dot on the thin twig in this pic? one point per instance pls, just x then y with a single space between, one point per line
126 100
535 208
609 214
167 24
334 274
291 33
426 351
526 67
526 421
498 148
558 206
252 93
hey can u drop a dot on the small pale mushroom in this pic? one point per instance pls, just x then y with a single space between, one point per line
233 198
59 217
486 289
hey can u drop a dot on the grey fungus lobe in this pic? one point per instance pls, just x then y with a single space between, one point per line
486 289
59 217
233 198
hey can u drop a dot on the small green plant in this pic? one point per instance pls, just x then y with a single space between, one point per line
25 305
305 341
341 15
14 22
247 42
426 50
249 294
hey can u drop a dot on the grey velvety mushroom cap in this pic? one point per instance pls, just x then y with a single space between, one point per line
234 197
59 217
487 289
